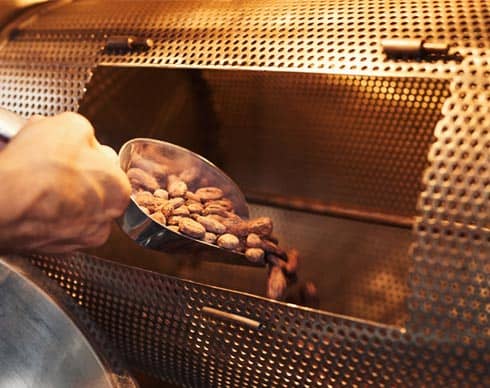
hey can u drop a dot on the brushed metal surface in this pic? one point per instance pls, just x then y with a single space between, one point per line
45 67
39 344
156 322
146 232
450 278
360 269
347 144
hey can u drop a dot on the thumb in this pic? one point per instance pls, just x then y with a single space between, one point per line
110 153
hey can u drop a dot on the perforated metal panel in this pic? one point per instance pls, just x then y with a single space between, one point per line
156 321
116 371
158 324
329 143
331 36
355 142
341 36
44 78
451 276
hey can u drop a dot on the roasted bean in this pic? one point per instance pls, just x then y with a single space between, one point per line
292 262
141 180
209 193
235 226
172 204
177 188
254 241
159 217
270 247
224 203
161 193
228 241
211 224
191 228
207 215
215 209
146 199
176 202
209 238
276 283
276 261
261 226
174 220
181 211
192 197
255 255
194 207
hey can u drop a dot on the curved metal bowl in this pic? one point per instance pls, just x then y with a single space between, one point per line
39 344
150 234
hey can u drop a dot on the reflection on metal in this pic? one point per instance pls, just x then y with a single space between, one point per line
39 344
150 234
10 124
253 324
158 325
326 116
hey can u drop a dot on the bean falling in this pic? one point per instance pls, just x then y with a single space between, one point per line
206 214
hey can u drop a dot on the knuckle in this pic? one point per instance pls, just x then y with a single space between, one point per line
78 122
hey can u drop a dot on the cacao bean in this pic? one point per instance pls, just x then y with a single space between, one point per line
215 209
209 193
159 217
255 255
152 168
235 226
254 241
276 283
181 211
176 202
194 207
276 261
141 180
174 220
191 228
261 226
211 224
224 203
270 247
192 197
293 260
161 193
177 188
228 241
146 199
173 228
209 238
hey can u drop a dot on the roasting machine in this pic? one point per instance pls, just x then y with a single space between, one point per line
362 128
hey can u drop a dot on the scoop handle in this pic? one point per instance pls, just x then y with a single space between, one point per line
10 124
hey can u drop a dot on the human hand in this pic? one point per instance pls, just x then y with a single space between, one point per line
60 189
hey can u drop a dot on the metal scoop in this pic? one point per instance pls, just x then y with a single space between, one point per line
136 223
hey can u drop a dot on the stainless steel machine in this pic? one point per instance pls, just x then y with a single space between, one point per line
360 127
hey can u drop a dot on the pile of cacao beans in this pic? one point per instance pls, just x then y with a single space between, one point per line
177 200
